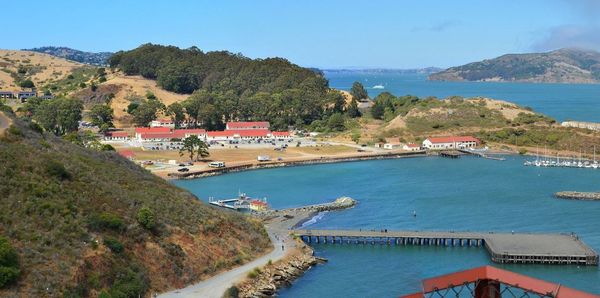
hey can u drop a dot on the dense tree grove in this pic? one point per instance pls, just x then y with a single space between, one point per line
386 106
226 86
60 115
102 116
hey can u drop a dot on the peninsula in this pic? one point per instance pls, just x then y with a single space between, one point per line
567 65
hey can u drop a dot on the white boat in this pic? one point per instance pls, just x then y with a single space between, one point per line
379 86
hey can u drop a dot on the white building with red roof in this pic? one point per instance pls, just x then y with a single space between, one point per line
165 134
168 122
411 147
119 136
453 142
247 125
165 122
281 135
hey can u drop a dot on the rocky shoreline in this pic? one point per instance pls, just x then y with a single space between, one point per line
577 195
266 281
273 277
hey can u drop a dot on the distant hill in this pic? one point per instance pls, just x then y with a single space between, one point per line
560 66
75 217
75 55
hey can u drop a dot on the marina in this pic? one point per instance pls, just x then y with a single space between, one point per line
546 161
505 248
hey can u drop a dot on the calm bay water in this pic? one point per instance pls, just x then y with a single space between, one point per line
560 101
467 194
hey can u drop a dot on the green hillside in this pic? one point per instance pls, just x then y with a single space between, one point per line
85 223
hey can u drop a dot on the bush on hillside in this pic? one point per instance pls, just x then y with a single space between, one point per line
106 221
9 263
57 169
114 245
145 218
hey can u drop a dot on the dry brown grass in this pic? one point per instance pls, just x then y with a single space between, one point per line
50 68
136 86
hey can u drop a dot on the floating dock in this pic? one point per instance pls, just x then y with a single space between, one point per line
507 248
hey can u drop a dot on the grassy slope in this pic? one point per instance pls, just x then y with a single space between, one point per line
496 122
50 221
41 68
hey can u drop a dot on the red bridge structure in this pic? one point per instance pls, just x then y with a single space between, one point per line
491 282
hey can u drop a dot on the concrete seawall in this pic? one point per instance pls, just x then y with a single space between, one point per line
267 165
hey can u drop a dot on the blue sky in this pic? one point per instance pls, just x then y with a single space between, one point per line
317 33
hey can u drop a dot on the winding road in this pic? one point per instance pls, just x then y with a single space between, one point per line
215 286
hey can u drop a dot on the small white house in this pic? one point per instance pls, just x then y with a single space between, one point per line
392 143
460 142
165 122
411 147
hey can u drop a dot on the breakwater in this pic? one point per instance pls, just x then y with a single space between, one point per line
277 164
577 195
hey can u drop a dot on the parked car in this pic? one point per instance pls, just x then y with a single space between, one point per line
183 170
182 165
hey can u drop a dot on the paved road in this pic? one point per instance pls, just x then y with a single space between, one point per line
217 285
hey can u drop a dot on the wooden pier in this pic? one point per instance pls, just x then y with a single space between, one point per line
503 247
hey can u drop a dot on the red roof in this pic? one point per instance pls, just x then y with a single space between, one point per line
219 133
256 124
191 131
454 139
167 135
258 203
529 284
413 145
240 132
281 133
117 134
251 132
126 153
148 130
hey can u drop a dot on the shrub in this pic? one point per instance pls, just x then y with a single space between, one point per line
145 218
522 151
27 84
13 130
232 292
56 169
254 273
129 282
36 127
113 244
106 220
9 263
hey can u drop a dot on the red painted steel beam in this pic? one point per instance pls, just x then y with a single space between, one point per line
529 284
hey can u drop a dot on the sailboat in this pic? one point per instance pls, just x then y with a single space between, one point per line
378 86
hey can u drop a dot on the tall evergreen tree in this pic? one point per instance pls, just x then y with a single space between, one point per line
358 91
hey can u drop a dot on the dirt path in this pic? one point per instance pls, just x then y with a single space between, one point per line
4 122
